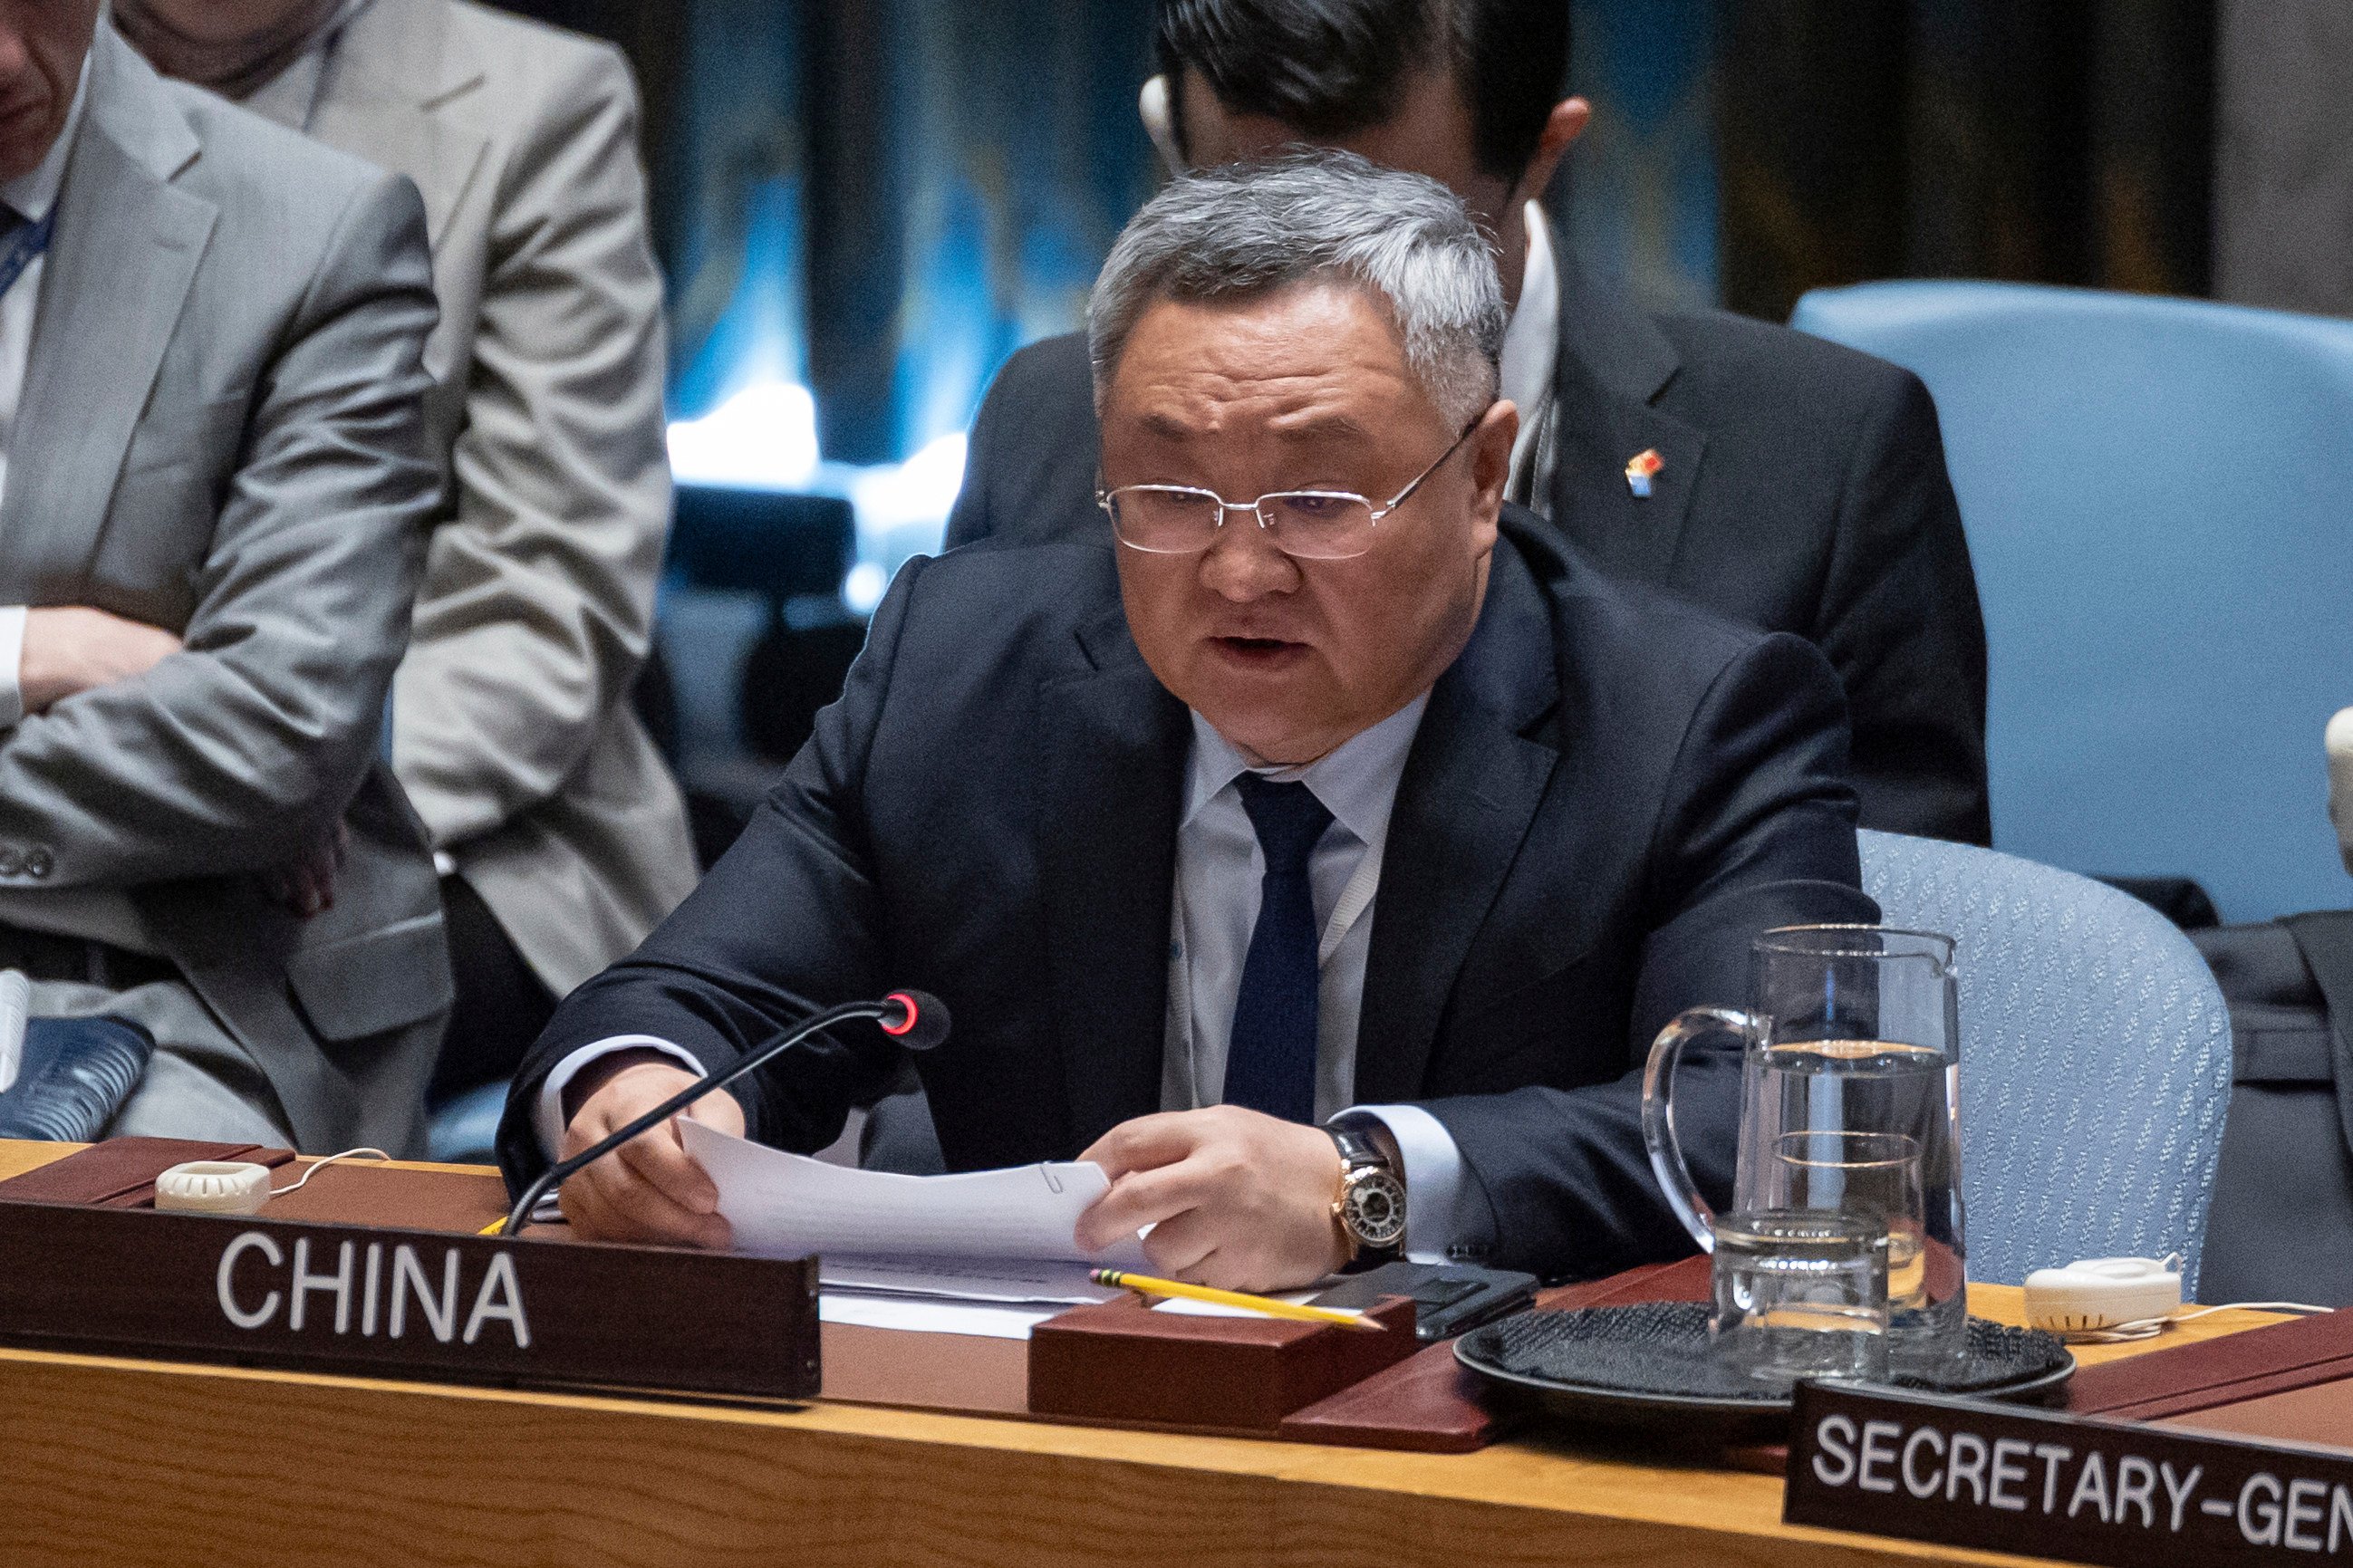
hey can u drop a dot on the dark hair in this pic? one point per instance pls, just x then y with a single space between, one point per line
1331 67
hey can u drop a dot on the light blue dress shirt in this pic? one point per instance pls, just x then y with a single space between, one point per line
1220 870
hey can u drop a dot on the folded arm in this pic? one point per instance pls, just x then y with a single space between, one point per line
236 751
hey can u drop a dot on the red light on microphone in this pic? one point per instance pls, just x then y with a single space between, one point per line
922 1021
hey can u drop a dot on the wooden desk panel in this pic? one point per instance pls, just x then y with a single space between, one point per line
137 1463
105 1465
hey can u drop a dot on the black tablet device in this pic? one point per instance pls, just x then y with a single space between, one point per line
1449 1298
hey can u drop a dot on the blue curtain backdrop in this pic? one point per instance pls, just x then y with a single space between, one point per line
2008 139
889 197
733 161
882 199
1637 196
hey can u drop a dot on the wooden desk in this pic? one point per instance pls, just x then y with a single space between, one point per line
114 1461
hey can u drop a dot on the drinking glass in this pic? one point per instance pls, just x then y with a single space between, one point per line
1801 1293
1873 1177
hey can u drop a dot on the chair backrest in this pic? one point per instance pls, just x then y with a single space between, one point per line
2158 497
2095 1058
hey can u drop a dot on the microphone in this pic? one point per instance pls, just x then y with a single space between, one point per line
916 1019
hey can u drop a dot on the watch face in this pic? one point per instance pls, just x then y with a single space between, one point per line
1373 1209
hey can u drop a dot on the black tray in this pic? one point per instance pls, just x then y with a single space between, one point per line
1645 1366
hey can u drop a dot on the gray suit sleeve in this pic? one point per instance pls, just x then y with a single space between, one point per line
229 755
537 606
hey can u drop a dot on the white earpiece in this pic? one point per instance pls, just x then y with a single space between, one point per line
2339 742
1152 105
213 1186
235 1186
2103 1293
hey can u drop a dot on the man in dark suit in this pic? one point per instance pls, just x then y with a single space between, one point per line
1779 481
1312 856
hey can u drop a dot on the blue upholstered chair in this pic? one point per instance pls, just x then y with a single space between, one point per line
2158 495
2095 1058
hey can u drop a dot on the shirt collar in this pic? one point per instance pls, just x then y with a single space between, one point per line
34 193
1532 337
1357 780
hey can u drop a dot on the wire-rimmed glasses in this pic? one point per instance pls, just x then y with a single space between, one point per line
1309 525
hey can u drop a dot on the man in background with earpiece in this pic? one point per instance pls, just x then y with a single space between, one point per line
1776 479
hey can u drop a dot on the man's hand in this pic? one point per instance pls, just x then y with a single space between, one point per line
1236 1199
649 1189
70 649
306 884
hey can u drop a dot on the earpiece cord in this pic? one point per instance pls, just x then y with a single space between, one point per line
2145 1327
319 1165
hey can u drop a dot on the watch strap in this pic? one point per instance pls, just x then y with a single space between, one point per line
1357 1151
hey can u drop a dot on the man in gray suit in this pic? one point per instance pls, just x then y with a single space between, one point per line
212 516
563 835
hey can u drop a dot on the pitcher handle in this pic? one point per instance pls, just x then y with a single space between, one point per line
1659 1114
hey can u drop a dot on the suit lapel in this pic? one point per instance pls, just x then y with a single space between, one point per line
1472 785
126 249
1613 366
388 95
1110 769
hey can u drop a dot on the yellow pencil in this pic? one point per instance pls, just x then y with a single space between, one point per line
1145 1284
494 1227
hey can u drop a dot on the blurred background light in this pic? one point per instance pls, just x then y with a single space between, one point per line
891 498
763 438
862 589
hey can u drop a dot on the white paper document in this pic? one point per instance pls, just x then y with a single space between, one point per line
785 1206
909 1314
1010 1282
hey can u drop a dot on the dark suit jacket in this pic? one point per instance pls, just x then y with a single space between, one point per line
1609 797
1804 491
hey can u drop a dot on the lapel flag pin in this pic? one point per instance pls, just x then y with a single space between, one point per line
1640 467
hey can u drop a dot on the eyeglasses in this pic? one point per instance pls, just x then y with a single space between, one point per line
1308 525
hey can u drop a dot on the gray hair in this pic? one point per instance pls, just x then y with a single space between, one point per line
1255 227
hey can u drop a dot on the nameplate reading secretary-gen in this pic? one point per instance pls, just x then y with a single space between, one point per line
1348 800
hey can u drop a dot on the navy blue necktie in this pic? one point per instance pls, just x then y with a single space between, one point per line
1271 1056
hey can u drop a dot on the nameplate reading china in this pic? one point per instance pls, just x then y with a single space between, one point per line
1967 1472
405 1303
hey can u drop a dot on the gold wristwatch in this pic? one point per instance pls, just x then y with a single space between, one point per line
1370 1206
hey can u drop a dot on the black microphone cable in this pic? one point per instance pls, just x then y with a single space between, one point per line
917 1020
